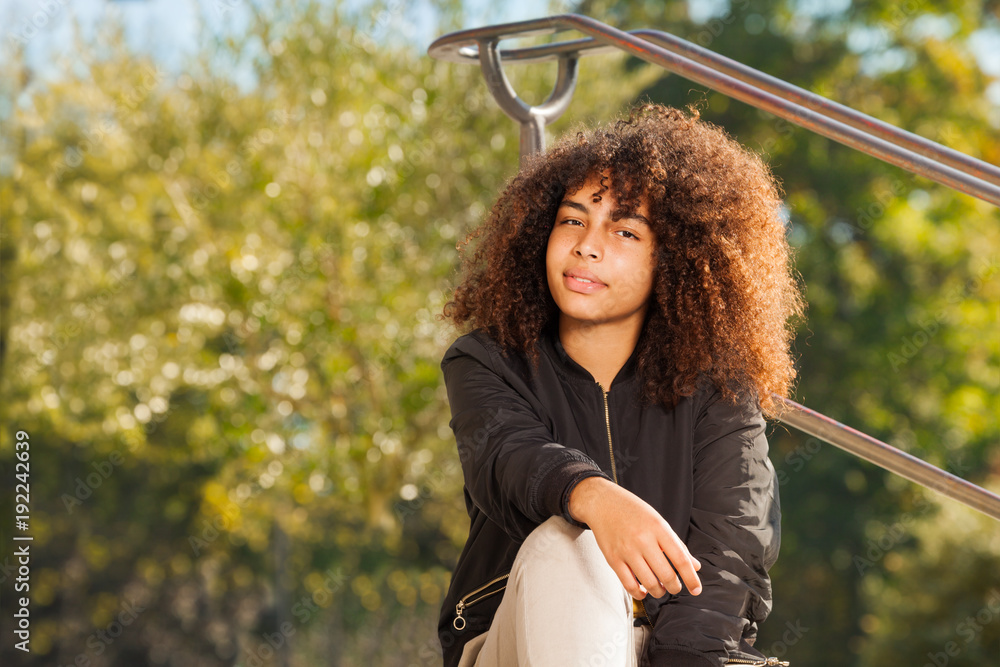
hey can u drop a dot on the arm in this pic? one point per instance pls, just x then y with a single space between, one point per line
735 534
514 471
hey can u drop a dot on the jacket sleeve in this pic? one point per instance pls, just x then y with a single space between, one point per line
514 471
734 532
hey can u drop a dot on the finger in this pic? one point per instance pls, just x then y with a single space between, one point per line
683 563
648 579
665 574
629 581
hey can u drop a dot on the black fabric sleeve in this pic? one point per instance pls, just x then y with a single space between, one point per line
514 472
734 532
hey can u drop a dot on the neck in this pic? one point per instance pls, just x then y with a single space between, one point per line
601 349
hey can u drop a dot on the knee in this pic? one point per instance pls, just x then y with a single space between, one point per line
556 540
558 556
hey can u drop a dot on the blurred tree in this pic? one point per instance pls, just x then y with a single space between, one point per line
902 277
219 330
940 604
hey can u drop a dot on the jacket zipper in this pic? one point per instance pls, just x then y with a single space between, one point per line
766 662
607 420
614 469
463 604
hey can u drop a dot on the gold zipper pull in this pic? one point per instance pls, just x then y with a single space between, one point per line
766 662
459 608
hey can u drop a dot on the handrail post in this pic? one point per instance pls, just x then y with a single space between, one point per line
532 136
532 119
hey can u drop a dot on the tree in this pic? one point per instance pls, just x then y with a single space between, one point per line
220 333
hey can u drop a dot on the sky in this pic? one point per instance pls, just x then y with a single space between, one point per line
168 29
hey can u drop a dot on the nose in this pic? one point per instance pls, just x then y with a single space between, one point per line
589 243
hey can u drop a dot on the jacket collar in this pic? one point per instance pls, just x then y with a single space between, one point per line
569 368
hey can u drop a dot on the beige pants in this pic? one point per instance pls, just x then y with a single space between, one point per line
563 605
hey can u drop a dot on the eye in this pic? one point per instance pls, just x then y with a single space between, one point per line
570 221
627 234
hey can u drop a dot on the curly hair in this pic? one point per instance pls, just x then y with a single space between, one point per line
724 291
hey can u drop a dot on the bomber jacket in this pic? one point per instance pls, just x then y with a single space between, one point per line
527 435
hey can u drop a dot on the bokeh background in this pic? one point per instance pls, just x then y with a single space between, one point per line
228 230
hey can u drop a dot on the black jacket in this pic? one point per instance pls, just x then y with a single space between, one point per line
526 437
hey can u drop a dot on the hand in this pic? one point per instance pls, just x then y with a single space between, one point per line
638 543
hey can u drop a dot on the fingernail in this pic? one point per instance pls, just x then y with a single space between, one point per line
696 590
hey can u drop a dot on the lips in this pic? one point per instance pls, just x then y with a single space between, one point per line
584 276
582 281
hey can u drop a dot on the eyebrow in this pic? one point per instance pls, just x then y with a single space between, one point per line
638 217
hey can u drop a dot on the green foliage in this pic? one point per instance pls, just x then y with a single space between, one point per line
940 603
221 332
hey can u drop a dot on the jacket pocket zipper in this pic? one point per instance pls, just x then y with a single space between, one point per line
766 662
464 603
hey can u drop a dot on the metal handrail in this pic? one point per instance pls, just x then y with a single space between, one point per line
773 85
798 106
832 120
886 456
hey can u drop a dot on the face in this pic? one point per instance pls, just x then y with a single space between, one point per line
600 271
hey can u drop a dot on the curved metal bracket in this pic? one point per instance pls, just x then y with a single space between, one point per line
532 119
